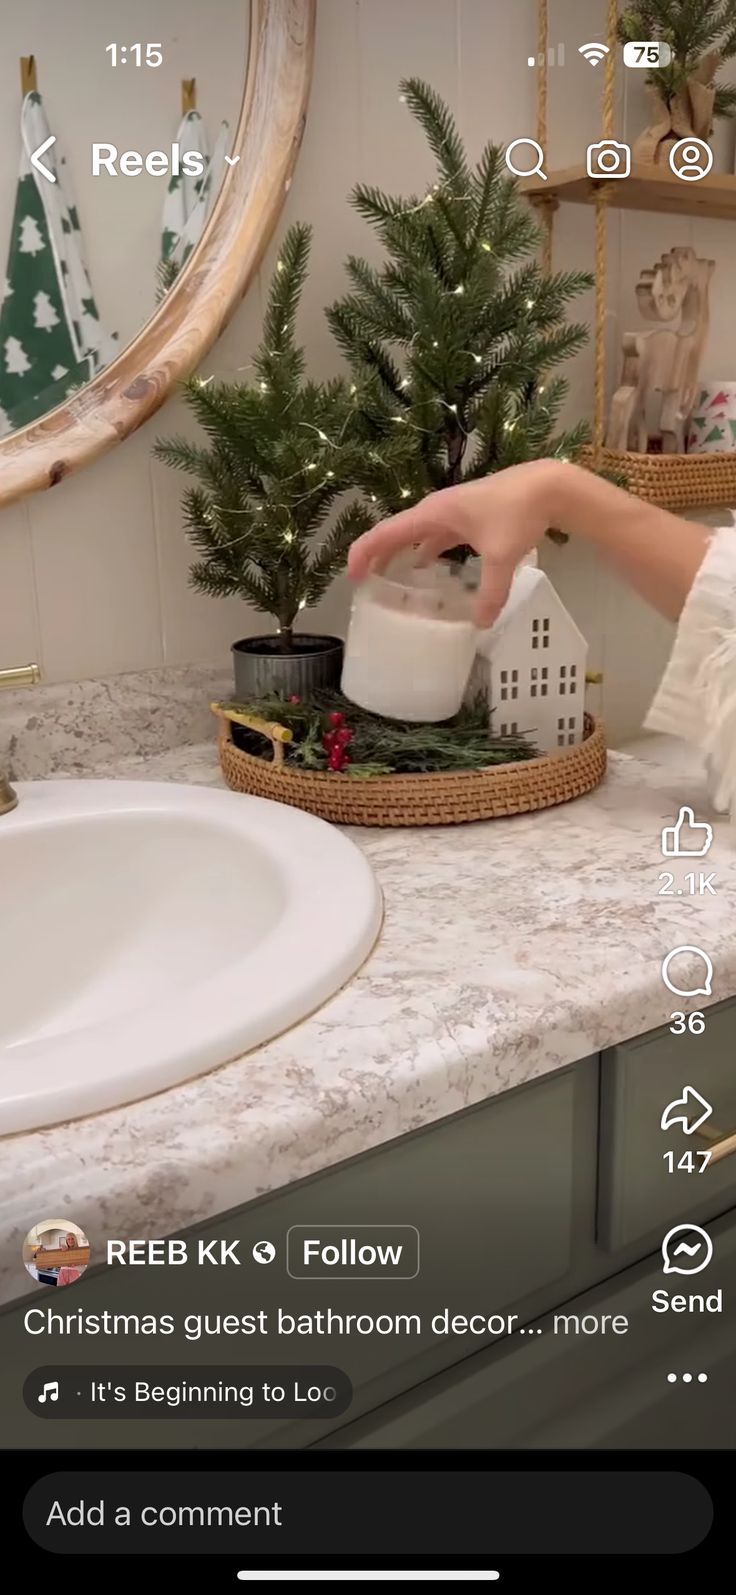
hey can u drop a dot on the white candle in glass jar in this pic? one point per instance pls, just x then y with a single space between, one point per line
410 648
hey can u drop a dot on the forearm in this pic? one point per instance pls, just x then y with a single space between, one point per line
657 553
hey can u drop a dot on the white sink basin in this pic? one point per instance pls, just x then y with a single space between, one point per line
150 932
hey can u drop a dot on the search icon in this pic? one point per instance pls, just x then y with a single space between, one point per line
536 170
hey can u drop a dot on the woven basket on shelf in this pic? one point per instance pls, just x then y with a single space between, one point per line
674 481
443 799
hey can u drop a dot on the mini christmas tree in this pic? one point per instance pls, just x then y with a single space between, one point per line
281 451
44 314
701 35
16 359
453 337
31 239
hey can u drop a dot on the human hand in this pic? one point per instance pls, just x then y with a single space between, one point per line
501 516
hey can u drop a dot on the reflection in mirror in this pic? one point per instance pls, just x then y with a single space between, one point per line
115 128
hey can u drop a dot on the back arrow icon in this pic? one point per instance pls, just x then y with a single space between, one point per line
37 162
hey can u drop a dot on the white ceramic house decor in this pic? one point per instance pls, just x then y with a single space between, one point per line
532 665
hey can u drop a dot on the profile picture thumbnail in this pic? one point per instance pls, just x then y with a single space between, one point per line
56 1252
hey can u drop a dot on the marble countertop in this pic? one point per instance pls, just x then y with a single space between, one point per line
509 950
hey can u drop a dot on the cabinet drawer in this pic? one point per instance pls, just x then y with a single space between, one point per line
637 1195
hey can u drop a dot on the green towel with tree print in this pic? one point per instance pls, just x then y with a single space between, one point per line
51 338
189 200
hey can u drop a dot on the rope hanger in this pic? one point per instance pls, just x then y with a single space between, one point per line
602 193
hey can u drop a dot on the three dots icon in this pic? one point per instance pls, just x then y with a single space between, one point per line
687 1378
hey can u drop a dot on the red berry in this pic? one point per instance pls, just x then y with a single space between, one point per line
293 698
336 719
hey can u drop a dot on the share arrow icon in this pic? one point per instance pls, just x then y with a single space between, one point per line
689 1111
38 163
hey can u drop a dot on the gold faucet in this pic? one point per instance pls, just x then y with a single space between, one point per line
21 676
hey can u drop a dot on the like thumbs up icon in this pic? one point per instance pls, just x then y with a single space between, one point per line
688 837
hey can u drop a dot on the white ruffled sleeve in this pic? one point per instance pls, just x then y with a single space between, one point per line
696 698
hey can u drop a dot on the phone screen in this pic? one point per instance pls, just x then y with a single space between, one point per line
367 1147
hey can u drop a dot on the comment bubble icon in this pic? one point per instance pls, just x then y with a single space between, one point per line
701 983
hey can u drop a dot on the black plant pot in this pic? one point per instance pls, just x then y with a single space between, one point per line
262 669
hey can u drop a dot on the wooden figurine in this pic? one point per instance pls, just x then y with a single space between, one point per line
651 409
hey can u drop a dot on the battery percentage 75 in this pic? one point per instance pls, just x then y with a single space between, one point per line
647 53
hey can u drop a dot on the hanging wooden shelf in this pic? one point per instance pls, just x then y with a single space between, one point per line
651 188
675 481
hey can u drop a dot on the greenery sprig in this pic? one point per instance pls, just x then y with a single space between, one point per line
378 746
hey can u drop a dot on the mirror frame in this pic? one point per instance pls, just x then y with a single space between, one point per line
218 273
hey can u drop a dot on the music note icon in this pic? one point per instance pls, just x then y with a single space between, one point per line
50 1391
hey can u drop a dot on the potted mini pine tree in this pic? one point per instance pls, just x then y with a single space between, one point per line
701 36
453 338
280 452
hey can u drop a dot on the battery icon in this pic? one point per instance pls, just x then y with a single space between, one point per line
647 53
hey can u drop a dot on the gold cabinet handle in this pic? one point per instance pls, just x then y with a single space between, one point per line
720 1144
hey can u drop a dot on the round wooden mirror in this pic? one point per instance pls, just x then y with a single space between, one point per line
215 276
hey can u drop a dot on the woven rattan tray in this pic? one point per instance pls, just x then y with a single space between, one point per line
445 799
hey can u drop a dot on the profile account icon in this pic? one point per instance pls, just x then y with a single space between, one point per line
691 158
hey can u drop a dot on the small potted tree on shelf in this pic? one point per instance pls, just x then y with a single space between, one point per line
280 452
701 35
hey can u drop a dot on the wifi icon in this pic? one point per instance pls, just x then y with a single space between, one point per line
593 53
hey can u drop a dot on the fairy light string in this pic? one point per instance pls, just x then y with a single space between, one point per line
437 192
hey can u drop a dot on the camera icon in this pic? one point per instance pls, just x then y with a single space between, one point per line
608 158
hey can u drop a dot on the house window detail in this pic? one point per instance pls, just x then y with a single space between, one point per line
514 683
545 682
545 634
535 634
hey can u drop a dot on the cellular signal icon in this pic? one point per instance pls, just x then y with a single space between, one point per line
594 53
555 57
